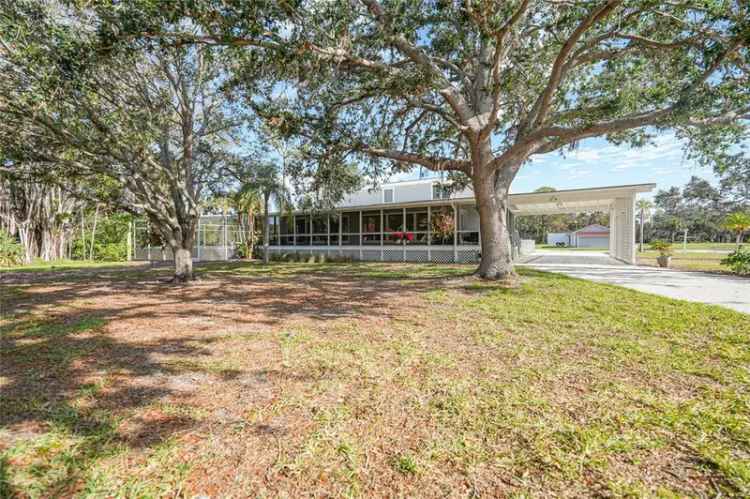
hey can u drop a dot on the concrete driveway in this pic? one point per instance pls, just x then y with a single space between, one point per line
727 291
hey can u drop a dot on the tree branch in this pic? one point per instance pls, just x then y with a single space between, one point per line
430 162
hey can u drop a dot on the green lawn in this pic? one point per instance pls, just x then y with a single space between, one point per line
366 380
710 246
42 266
688 260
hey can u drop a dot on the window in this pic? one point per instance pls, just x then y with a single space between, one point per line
440 191
387 195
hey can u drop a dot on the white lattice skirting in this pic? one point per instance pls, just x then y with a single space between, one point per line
462 254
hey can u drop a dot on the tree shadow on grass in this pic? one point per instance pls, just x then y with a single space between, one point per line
273 294
68 386
65 373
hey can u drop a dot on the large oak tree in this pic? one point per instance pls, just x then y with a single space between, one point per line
476 88
152 117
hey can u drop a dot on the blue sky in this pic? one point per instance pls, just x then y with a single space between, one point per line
598 163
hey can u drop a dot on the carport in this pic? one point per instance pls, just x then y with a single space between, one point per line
618 201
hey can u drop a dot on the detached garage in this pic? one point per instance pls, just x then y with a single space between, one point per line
591 236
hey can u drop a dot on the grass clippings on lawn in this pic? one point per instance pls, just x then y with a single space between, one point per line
371 380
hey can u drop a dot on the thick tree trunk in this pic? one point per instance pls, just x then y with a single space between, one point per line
183 264
27 243
492 203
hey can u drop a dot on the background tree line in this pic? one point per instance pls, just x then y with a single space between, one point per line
698 209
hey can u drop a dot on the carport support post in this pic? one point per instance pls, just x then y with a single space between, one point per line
612 231
623 229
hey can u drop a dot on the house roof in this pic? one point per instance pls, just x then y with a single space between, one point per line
574 200
592 230
419 193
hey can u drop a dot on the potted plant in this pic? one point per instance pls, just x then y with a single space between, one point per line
665 252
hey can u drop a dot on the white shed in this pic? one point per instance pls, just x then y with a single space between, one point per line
558 238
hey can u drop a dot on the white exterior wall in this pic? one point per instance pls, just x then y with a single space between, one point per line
407 192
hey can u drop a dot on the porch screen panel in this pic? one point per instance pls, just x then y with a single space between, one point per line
417 226
350 228
442 222
371 232
393 232
302 226
273 230
320 230
213 235
333 222
286 230
468 226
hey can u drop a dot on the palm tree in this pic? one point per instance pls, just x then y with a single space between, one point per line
272 187
261 184
738 222
644 208
248 200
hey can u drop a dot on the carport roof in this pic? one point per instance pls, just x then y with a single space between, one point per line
573 200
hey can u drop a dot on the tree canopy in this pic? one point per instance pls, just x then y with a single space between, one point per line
476 88
471 88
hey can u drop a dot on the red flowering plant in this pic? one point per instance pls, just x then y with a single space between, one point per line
443 224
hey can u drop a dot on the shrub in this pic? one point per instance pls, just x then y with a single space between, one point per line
663 247
738 261
110 243
242 250
111 252
275 257
11 252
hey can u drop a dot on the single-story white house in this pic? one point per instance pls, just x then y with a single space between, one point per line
396 222
591 236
